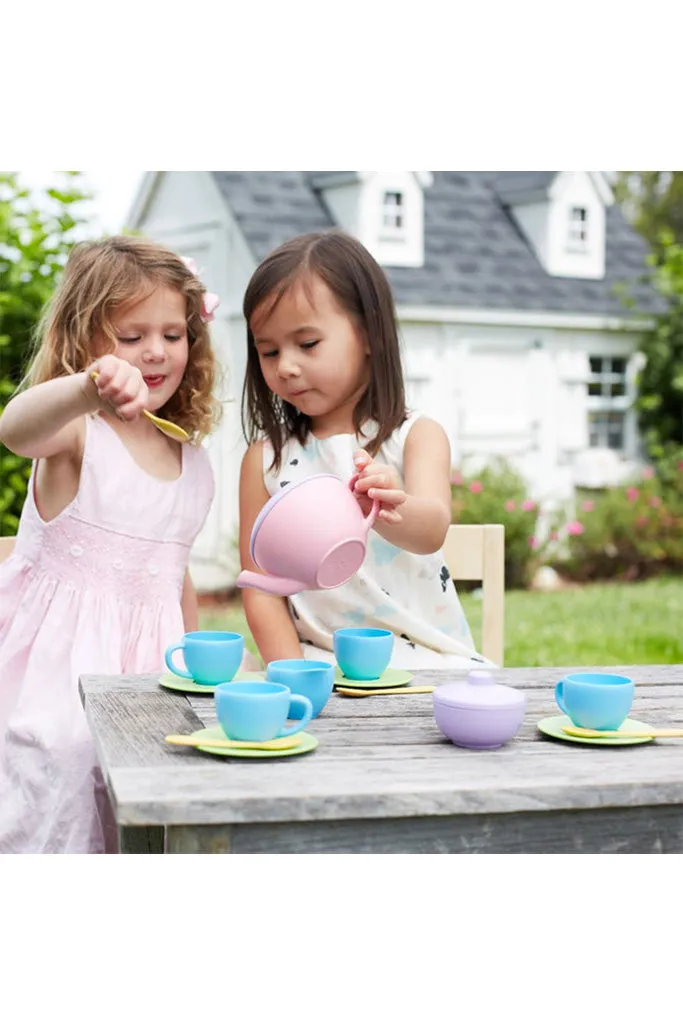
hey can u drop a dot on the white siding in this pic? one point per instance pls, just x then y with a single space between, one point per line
498 389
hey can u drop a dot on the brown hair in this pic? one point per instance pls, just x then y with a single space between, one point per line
362 290
98 279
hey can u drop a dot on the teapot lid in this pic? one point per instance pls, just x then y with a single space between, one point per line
479 691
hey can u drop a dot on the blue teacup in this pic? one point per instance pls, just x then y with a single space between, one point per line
312 679
257 711
595 700
210 656
363 653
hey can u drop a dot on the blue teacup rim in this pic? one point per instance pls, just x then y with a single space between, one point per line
296 666
357 632
212 635
251 688
597 679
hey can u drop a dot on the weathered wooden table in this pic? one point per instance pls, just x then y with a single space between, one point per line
383 780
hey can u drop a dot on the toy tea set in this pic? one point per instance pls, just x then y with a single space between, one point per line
252 711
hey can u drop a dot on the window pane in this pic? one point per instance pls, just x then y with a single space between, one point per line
596 364
606 429
392 210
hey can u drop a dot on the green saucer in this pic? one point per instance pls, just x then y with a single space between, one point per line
391 677
553 727
173 682
307 744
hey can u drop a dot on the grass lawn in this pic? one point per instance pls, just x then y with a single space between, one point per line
600 624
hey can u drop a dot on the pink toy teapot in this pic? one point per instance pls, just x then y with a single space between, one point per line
310 536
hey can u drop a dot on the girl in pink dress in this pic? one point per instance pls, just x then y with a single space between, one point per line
98 579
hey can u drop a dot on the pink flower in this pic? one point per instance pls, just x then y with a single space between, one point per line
575 528
648 473
632 493
554 535
680 464
456 479
527 505
476 487
655 501
588 506
533 543
510 505
641 521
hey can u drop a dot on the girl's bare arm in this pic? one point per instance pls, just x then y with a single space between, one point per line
268 616
46 419
421 506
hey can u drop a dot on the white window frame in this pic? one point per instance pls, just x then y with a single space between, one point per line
393 213
605 404
578 228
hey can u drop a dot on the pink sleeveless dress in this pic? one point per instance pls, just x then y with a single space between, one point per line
95 590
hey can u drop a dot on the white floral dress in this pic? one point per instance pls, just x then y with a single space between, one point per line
411 595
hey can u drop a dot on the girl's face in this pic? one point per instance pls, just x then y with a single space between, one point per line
152 335
311 353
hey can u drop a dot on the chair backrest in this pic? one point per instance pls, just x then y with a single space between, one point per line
6 547
478 553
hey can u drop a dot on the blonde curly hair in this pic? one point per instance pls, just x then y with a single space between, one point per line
99 278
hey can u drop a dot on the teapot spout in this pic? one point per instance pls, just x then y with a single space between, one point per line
278 585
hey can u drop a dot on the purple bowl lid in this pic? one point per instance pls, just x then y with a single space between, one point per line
479 691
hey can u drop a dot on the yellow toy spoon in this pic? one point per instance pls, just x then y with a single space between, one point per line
171 430
285 743
599 734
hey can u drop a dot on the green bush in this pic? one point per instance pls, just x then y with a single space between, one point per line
633 531
498 494
35 239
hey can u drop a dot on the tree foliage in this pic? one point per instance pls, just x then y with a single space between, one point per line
653 202
36 233
660 385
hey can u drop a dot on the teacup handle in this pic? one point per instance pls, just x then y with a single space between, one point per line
559 697
305 704
168 658
372 514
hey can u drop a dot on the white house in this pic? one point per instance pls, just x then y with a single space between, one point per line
514 335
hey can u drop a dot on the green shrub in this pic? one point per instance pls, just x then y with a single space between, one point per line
499 494
633 531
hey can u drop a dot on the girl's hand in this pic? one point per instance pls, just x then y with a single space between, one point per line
120 386
380 482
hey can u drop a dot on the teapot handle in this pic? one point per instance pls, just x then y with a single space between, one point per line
372 514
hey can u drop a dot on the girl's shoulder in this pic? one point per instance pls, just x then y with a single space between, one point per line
395 443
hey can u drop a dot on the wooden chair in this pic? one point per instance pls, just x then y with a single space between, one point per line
478 553
6 547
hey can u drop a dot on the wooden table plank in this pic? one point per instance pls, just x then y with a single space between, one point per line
384 779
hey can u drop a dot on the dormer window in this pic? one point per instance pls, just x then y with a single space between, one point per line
384 209
578 228
393 211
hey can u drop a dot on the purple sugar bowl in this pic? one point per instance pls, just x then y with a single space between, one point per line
479 713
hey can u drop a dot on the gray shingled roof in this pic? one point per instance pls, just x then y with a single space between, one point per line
475 256
514 184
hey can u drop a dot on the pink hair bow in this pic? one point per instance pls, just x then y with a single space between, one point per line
210 300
